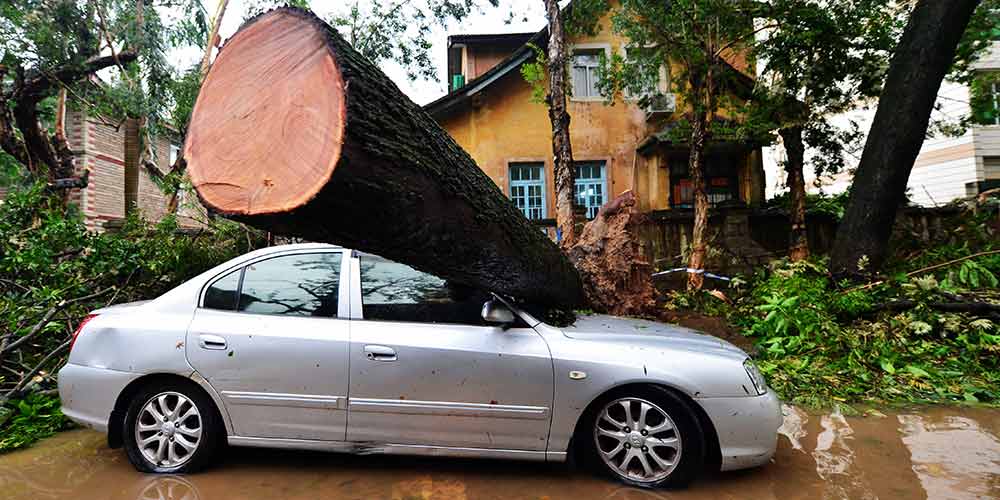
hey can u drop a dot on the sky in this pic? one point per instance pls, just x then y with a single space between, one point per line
421 91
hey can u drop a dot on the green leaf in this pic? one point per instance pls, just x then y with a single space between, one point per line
887 366
916 371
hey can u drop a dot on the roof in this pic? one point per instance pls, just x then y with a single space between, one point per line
474 86
513 38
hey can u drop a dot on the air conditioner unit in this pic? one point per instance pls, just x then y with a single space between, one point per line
660 104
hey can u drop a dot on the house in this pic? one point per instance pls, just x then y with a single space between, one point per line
490 113
100 146
951 167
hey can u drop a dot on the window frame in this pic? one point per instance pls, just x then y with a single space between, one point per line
602 181
343 287
542 182
585 47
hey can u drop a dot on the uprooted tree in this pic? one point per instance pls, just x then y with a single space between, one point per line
296 132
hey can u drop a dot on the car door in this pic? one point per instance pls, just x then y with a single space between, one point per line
425 370
269 338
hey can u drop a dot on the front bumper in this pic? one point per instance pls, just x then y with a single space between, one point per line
88 394
747 428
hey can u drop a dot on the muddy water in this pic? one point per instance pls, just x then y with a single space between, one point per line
933 453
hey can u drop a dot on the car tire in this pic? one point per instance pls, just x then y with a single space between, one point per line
670 440
171 428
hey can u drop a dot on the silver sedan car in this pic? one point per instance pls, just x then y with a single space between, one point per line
323 348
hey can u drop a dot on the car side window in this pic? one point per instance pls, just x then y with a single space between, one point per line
222 293
292 285
391 291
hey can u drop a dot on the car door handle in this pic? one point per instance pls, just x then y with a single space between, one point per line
380 353
211 342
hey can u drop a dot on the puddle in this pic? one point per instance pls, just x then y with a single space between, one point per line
933 453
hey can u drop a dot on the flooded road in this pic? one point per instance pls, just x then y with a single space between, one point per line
933 453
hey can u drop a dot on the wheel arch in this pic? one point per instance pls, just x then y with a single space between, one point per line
713 452
117 419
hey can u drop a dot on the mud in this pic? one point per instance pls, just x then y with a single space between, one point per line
931 453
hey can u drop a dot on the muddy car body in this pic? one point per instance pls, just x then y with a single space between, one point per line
319 347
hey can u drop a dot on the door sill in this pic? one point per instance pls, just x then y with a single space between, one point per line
371 448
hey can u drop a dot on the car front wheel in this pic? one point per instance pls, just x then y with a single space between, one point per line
647 438
170 428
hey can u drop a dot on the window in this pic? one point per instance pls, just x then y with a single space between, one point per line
650 73
527 189
589 186
396 292
222 293
585 65
292 285
721 180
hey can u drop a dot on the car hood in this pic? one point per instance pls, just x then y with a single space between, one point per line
599 327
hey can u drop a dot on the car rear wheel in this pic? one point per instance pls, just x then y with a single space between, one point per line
647 438
171 428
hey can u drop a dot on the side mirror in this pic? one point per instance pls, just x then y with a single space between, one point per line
494 312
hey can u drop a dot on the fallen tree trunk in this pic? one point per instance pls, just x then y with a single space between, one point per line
297 133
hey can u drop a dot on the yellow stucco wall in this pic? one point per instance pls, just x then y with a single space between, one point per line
503 126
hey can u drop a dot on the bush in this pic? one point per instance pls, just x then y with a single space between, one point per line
819 344
47 256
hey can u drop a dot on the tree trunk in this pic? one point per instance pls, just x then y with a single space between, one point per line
920 62
696 164
297 133
562 150
798 242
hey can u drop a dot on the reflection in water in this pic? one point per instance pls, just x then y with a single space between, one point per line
834 457
793 425
168 488
951 451
953 456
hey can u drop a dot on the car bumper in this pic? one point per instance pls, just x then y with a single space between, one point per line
747 428
88 394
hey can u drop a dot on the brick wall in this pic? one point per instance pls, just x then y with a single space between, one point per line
101 147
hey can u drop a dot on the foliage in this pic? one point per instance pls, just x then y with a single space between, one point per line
67 43
819 59
821 344
534 73
833 205
35 417
47 256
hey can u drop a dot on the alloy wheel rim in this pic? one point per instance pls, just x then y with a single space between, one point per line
168 429
637 440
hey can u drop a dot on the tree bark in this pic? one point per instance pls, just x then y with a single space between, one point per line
562 150
297 133
696 165
798 237
920 62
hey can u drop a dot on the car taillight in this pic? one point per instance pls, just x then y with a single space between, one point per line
79 328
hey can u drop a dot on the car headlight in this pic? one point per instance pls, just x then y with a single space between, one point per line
759 384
